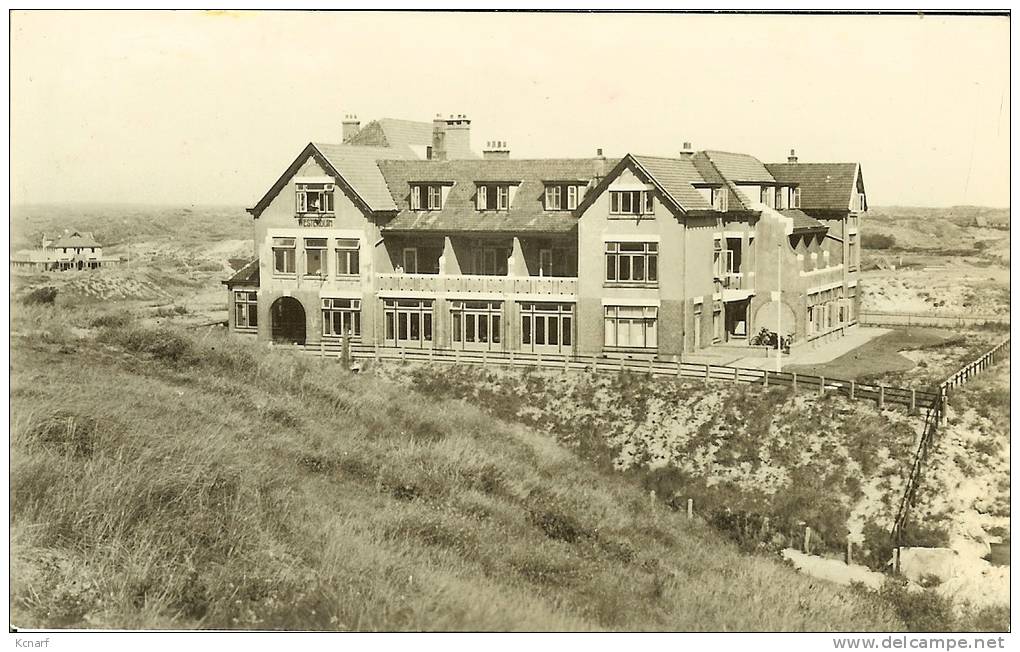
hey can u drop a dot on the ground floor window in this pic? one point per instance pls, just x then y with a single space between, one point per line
408 322
717 324
632 326
246 314
547 326
341 317
476 323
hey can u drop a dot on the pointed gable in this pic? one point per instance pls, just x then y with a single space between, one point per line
823 186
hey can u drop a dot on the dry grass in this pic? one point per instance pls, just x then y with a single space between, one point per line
161 479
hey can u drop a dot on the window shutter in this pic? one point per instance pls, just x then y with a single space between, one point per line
415 198
571 197
482 196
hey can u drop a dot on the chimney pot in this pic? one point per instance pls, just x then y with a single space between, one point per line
598 152
792 158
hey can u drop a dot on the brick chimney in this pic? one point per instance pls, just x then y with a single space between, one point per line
496 150
792 158
686 151
451 137
351 127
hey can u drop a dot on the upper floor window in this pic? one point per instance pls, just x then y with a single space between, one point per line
314 198
720 199
781 197
632 262
861 204
283 255
630 202
562 196
426 197
315 256
493 197
347 259
768 197
795 198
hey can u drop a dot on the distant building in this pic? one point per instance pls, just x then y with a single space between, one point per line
401 236
72 250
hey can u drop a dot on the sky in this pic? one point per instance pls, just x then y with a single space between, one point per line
193 107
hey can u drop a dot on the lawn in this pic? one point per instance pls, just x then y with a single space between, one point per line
908 356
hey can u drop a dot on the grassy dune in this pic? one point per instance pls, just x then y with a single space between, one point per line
162 479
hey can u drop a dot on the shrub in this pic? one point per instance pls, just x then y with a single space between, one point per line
38 296
878 241
161 343
921 611
118 319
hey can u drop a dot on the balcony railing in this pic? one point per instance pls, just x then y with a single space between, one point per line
549 285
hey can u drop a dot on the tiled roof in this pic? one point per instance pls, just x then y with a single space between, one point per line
675 177
406 135
527 212
828 186
739 167
247 275
357 165
802 221
737 200
75 239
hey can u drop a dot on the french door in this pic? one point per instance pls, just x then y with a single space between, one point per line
408 323
547 327
476 325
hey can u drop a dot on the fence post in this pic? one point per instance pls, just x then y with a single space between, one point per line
485 358
765 383
678 366
807 539
649 366
794 375
538 360
595 364
881 396
849 551
913 401
622 366
690 508
403 354
376 347
821 385
566 363
322 348
853 388
736 374
456 356
511 358
706 371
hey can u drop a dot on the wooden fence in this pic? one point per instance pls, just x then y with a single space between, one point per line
934 418
874 318
882 395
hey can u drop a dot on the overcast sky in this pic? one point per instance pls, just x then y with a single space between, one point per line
197 108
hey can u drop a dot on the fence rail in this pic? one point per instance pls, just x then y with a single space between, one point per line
882 395
934 418
876 318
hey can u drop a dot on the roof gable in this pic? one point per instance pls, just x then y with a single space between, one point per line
75 239
354 169
673 178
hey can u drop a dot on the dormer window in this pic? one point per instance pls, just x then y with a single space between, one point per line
780 197
426 197
562 196
631 202
314 198
493 196
720 200
862 204
795 198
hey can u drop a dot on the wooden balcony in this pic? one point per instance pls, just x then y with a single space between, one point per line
470 284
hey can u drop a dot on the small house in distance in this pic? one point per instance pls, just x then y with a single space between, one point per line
72 250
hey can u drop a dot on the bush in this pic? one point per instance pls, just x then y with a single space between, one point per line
878 241
46 295
161 343
921 611
112 320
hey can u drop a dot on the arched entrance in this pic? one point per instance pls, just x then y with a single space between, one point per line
288 319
